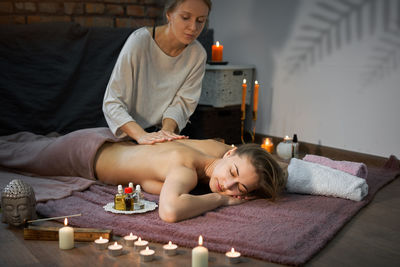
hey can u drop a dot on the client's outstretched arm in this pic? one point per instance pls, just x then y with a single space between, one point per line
175 202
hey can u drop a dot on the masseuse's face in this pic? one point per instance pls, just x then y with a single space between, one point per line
188 20
233 176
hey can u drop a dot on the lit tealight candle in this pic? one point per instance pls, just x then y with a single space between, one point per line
147 254
287 139
170 249
130 239
233 256
217 52
200 255
66 236
115 249
268 145
140 244
101 243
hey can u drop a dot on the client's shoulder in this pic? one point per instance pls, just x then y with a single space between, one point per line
209 147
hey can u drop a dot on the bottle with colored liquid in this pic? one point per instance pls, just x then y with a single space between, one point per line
128 198
119 199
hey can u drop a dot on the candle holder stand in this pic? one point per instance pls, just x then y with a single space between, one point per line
242 119
252 133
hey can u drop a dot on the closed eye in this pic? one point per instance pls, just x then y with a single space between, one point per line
242 189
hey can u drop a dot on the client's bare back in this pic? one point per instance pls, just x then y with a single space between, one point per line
123 162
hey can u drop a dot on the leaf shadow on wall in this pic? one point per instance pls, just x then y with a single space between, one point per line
385 60
336 24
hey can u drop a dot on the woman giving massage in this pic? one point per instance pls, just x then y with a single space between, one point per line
171 169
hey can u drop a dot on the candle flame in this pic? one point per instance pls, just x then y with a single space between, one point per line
268 141
233 250
170 243
140 239
147 248
115 244
200 240
101 238
256 82
217 44
244 81
131 235
65 221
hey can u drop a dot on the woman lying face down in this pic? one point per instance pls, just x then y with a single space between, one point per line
173 169
170 169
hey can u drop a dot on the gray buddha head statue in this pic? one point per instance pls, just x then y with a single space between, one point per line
18 203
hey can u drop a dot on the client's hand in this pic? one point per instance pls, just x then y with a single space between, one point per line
158 137
234 200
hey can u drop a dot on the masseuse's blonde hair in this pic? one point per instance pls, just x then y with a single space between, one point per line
272 177
170 5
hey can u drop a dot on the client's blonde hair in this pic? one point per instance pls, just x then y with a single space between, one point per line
272 177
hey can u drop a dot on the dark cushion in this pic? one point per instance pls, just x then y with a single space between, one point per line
53 75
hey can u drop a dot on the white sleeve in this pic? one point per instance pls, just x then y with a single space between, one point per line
118 95
187 97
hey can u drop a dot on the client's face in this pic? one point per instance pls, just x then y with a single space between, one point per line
233 176
16 211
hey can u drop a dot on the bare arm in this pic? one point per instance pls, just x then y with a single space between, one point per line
175 202
133 130
169 125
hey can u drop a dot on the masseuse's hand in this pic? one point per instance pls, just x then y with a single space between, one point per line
158 137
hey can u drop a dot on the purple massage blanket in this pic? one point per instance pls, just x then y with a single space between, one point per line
290 231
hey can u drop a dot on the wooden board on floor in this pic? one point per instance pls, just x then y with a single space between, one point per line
51 233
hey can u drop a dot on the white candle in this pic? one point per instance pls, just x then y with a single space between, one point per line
115 249
200 255
130 239
140 244
101 243
66 236
233 256
147 254
285 148
170 249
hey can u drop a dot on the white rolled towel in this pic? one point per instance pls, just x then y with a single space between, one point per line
315 179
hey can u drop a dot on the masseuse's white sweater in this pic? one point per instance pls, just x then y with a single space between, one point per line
147 85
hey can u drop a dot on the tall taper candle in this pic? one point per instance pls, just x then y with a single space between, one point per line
243 107
255 99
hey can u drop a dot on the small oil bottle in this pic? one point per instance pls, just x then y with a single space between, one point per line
131 186
295 147
139 204
119 199
129 198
